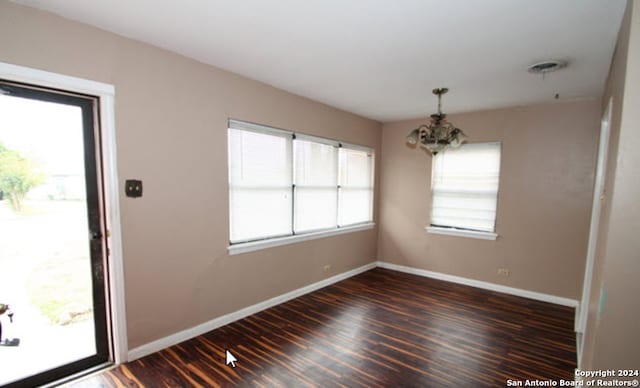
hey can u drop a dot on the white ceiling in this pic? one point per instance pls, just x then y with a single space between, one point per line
380 58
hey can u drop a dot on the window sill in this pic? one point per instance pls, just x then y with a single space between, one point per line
461 233
274 242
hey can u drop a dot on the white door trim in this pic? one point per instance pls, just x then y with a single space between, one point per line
598 197
106 93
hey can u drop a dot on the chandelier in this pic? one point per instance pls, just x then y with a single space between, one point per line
439 134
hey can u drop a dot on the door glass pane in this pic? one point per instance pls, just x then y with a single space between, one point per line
44 244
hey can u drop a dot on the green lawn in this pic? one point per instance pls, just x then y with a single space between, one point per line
61 290
46 249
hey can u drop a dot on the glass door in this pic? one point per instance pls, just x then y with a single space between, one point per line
52 272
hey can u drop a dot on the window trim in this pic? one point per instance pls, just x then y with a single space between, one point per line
238 248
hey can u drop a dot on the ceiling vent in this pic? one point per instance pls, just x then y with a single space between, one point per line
547 66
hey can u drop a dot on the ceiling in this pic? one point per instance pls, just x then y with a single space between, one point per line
381 58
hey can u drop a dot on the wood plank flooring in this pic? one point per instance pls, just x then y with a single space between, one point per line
379 329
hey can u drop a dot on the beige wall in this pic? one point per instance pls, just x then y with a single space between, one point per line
546 180
611 336
171 115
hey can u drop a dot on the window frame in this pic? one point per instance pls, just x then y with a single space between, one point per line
467 232
237 247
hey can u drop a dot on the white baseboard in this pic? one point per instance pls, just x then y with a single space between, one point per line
213 324
480 284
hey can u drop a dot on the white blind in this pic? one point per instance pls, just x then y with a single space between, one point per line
281 183
259 184
356 186
464 187
316 181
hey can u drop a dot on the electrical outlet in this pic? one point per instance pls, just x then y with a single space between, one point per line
133 188
504 271
327 267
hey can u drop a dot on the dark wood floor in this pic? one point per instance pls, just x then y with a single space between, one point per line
380 328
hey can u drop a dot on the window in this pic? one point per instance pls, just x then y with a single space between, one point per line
284 184
464 188
259 184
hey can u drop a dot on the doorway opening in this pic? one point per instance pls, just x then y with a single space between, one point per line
599 195
54 295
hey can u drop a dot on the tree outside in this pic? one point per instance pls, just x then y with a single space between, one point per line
18 175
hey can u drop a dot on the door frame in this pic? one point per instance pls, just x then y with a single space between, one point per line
596 210
106 138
